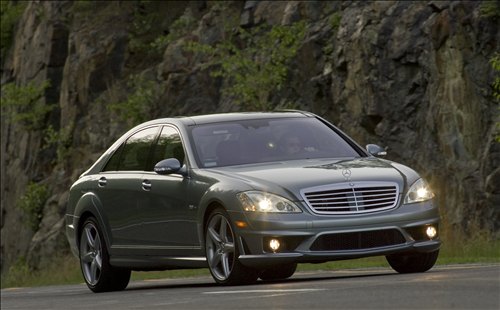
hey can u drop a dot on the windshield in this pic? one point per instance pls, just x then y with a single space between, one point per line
267 140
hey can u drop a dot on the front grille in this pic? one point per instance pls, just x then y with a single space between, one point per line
358 240
352 198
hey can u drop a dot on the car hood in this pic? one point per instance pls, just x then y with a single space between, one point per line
291 177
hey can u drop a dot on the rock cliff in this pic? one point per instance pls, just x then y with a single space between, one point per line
412 76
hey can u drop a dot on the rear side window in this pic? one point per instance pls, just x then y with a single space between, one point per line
169 145
134 153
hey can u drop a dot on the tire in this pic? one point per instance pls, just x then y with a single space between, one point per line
222 252
411 263
99 275
278 272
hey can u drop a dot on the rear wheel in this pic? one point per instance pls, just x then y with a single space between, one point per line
99 275
414 262
222 252
278 272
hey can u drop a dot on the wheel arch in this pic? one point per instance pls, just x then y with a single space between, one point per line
88 206
219 195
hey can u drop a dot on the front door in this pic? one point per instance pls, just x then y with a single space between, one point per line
169 225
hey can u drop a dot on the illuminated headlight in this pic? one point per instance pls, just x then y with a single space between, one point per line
418 192
264 202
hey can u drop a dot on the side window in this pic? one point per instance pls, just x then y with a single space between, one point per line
133 155
114 161
169 145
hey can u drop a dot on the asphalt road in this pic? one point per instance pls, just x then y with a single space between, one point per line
443 287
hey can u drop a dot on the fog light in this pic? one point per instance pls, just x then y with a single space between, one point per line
274 244
431 232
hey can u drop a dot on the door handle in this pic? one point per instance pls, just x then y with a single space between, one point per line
102 182
146 185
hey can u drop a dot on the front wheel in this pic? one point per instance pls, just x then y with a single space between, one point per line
99 275
414 262
222 251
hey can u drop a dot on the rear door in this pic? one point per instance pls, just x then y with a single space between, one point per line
120 188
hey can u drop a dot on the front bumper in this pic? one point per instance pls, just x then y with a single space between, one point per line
270 259
308 238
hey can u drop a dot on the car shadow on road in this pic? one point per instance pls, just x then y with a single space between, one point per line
300 277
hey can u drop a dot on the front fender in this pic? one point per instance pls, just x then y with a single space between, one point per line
223 194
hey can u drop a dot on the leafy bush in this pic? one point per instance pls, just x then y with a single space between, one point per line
495 63
32 203
10 13
147 28
19 273
24 104
490 9
255 63
61 139
181 27
136 108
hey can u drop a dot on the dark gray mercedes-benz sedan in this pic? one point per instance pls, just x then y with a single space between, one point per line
248 195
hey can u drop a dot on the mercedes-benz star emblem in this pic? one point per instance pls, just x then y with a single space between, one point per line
347 174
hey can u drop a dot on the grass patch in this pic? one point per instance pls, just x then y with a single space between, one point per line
479 249
63 270
66 270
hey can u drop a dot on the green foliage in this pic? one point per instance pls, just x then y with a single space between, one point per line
181 27
137 107
83 6
334 21
495 63
255 64
139 34
61 139
64 269
32 203
146 32
18 274
24 104
472 246
490 9
10 13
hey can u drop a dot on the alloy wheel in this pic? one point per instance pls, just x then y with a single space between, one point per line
91 254
220 247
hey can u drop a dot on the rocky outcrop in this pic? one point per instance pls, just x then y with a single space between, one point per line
412 76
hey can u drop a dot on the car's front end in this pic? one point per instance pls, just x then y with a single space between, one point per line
332 210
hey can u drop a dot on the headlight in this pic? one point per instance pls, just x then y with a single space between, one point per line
264 202
419 191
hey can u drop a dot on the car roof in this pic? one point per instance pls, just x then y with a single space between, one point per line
225 117
228 117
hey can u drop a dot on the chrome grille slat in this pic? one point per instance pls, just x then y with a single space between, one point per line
390 198
352 198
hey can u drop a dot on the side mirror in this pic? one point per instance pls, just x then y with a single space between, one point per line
169 166
375 150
